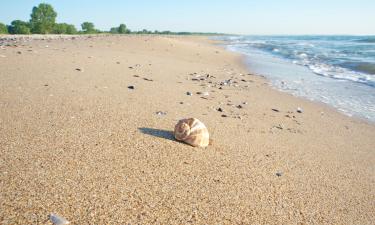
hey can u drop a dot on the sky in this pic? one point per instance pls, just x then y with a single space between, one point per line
224 16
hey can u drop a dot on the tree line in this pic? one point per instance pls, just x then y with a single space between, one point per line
43 21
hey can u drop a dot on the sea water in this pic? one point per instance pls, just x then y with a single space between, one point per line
336 70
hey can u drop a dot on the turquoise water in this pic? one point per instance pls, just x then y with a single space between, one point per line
336 70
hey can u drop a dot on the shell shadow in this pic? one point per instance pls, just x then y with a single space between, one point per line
166 134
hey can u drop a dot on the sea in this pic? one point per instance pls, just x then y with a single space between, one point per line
335 70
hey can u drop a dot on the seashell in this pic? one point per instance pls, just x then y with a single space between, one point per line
193 132
58 220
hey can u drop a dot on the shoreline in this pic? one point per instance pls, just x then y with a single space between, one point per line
76 141
242 62
224 43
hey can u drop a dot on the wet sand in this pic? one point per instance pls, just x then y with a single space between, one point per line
75 140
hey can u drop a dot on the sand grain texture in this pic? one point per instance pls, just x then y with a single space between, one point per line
81 144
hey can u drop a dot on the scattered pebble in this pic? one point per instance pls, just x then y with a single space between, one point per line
205 93
131 87
275 110
57 220
160 113
46 85
299 110
224 115
189 93
79 69
279 174
19 52
239 106
220 110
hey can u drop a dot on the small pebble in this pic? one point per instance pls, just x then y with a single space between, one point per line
239 106
79 69
160 113
279 174
224 115
57 220
220 110
131 87
299 110
275 110
189 93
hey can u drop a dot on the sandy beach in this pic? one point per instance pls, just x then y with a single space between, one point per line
78 141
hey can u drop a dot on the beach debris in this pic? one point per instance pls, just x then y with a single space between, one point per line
193 132
160 113
280 127
279 174
220 109
275 110
79 69
189 93
245 103
239 106
147 79
131 87
57 220
299 110
224 115
204 93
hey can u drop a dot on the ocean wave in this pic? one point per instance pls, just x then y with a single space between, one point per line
366 40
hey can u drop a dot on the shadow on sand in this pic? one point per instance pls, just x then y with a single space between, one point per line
166 134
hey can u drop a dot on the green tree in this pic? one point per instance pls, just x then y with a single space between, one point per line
64 28
42 19
71 29
19 27
3 29
114 30
122 29
88 28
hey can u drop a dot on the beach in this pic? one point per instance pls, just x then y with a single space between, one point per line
86 132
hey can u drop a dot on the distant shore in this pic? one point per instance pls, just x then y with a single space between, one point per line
86 133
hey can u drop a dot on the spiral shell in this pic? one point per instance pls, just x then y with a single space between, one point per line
192 131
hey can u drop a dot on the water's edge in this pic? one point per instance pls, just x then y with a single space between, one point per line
224 44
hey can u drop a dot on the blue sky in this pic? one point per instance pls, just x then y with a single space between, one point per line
228 16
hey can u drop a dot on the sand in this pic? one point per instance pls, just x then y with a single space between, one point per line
77 142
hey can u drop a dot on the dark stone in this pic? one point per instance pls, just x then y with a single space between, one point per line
131 87
275 110
279 174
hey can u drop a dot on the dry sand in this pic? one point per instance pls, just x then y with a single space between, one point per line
81 144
